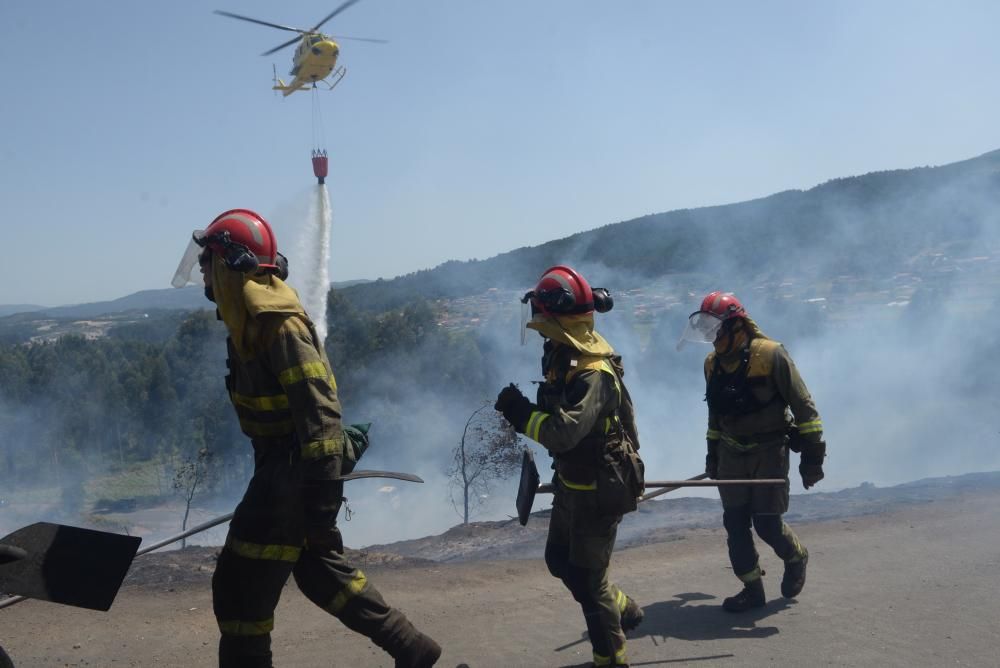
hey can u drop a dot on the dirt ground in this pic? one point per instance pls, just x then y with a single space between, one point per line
914 587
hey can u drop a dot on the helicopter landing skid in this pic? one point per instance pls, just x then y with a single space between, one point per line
335 78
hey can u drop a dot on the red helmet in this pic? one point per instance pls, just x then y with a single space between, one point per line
723 305
561 291
716 308
243 239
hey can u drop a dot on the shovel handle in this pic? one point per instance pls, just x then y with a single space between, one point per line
697 481
665 490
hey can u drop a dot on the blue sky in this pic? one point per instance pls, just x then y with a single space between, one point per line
481 127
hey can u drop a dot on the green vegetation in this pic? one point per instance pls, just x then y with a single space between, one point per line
109 423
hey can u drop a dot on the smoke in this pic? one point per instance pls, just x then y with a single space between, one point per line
898 350
312 273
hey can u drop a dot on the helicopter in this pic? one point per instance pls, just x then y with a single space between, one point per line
315 58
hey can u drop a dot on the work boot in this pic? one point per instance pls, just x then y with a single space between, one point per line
795 576
632 615
423 652
751 597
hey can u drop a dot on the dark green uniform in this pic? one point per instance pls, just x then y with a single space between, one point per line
756 399
576 419
286 400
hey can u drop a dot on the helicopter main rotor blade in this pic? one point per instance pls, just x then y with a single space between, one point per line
361 39
282 46
263 23
335 12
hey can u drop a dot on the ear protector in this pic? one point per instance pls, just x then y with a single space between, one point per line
603 301
282 263
235 255
561 300
558 300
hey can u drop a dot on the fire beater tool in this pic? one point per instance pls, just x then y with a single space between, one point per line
529 486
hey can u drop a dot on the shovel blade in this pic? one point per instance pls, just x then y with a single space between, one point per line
69 565
527 488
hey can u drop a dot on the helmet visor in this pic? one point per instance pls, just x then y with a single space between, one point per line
527 312
185 274
702 327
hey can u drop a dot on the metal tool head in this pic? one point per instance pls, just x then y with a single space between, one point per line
527 488
69 565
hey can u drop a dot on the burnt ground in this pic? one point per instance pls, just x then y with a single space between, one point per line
667 519
901 578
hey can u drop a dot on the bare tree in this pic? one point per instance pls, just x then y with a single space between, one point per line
191 475
489 451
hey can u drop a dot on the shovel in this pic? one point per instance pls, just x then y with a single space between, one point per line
528 486
64 564
85 568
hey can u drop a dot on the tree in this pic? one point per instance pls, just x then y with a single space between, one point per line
188 477
489 451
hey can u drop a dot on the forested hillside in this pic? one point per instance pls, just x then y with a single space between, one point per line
863 226
75 408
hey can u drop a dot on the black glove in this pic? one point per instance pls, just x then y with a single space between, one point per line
515 407
811 463
712 460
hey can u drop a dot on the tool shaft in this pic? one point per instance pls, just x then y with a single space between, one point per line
548 488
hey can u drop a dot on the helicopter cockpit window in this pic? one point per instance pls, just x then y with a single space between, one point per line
315 40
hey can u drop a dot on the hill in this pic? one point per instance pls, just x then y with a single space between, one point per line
927 222
865 226
11 309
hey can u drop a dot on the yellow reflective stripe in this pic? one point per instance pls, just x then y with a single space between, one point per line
601 660
607 368
811 427
265 429
317 449
729 440
350 590
800 552
713 434
534 424
607 425
264 552
755 574
621 600
238 627
621 656
578 486
297 374
276 402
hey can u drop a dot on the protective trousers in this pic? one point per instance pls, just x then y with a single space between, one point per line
266 544
759 507
578 552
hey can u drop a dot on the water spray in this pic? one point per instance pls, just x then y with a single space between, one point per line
311 269
315 258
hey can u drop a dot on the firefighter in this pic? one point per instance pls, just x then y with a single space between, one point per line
758 409
583 417
285 396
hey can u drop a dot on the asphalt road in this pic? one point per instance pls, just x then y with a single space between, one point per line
912 587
